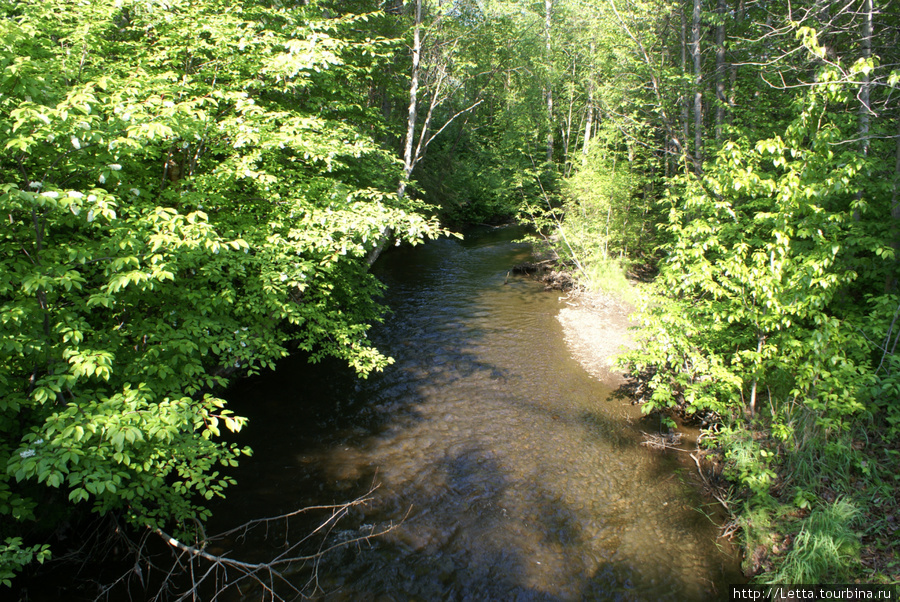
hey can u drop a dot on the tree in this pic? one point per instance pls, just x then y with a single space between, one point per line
179 210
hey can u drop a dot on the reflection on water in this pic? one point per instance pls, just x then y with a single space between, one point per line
517 476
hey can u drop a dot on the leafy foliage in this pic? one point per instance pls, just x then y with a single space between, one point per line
765 254
179 207
13 557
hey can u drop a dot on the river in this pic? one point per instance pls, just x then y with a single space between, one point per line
511 473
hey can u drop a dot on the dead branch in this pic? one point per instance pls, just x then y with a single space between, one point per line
667 441
195 573
721 495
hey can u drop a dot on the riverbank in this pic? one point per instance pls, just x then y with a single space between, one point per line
597 328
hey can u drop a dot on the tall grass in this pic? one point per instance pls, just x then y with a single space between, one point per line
608 275
824 550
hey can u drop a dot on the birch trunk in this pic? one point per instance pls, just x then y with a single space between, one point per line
548 11
684 102
720 68
698 82
408 157
589 115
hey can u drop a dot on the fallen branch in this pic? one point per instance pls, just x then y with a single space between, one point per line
208 575
718 493
667 441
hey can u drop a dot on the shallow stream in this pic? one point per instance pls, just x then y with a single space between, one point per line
518 477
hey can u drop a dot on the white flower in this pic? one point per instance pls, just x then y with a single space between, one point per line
27 453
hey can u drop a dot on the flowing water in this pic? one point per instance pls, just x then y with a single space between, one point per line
512 474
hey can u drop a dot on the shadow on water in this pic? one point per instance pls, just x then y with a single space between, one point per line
517 477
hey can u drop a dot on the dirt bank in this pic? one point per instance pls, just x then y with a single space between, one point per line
596 327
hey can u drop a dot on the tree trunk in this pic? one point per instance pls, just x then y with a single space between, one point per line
720 68
684 102
589 115
732 68
865 109
760 339
548 11
588 124
408 157
567 135
891 283
698 94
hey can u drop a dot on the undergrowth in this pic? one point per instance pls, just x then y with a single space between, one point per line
610 276
820 507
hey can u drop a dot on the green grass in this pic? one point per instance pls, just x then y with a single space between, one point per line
825 549
830 514
608 276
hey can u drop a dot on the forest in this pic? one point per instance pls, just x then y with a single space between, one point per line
195 189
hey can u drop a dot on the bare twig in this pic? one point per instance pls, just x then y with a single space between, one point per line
667 441
209 575
718 493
